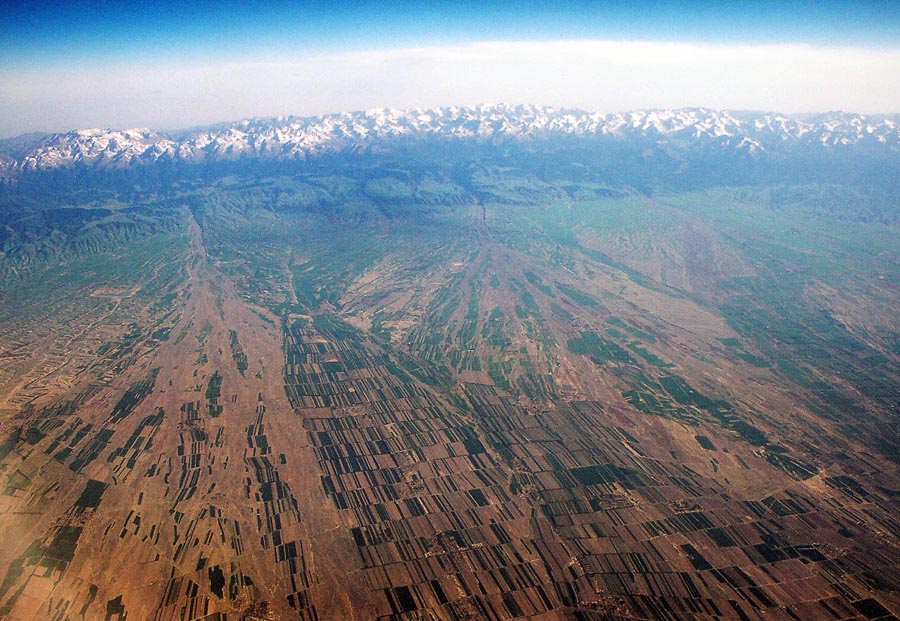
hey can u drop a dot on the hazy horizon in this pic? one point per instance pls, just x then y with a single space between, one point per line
170 67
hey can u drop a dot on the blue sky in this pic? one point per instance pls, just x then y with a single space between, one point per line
174 64
54 31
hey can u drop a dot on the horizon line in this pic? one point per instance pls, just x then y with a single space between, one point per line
233 123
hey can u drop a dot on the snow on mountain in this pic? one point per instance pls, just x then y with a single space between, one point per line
299 138
97 146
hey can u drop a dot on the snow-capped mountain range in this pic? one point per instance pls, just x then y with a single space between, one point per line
300 138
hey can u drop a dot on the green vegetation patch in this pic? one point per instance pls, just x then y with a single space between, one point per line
672 396
794 468
237 352
529 307
579 297
133 396
635 331
492 330
499 372
599 349
336 328
90 497
705 442
536 280
649 356
213 392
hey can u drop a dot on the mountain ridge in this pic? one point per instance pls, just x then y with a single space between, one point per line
297 138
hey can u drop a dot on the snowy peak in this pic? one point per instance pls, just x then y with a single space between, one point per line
96 146
304 137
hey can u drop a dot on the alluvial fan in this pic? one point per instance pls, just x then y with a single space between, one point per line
465 363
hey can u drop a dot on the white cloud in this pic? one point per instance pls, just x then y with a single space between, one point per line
603 76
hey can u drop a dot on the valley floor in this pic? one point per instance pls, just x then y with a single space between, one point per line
224 463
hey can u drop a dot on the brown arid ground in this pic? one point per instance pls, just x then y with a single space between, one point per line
200 514
245 466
